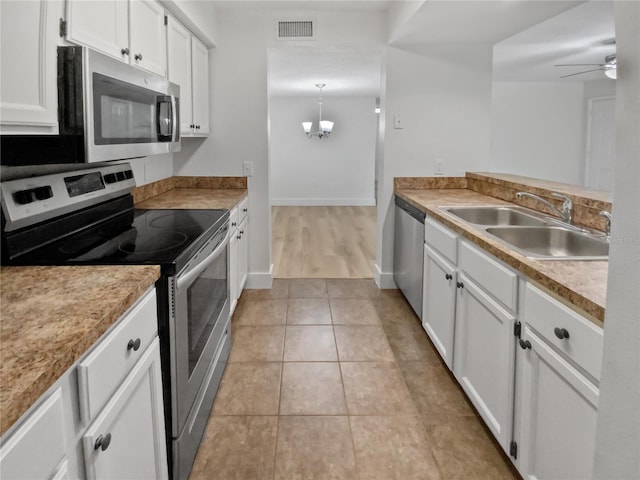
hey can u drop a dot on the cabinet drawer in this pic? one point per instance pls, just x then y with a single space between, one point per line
584 346
442 239
495 278
101 372
243 210
36 448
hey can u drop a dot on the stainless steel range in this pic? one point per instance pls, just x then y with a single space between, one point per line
87 218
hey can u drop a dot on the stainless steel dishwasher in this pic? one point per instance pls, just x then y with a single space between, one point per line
408 253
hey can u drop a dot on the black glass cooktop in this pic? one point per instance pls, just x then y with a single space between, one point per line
136 237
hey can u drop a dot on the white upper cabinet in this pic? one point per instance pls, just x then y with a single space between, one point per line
179 69
102 25
200 82
131 31
28 94
188 66
148 42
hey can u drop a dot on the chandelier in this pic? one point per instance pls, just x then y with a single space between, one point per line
324 126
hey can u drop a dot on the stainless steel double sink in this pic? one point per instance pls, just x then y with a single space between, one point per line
534 234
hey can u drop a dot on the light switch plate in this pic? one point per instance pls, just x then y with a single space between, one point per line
397 122
247 169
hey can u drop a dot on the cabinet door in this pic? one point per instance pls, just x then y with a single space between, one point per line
558 412
200 86
28 98
233 268
439 303
127 439
484 357
243 254
148 37
102 25
179 69
36 449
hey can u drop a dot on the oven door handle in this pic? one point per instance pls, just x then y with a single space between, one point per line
188 278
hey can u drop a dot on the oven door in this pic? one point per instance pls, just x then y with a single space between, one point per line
201 314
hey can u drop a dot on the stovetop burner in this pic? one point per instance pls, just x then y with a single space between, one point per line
155 243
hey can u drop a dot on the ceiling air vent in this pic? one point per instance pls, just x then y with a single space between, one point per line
295 30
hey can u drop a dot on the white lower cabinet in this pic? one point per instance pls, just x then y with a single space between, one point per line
127 439
238 251
529 363
42 433
558 412
439 303
558 358
120 437
484 357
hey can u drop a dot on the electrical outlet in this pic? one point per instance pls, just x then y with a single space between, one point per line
439 166
247 169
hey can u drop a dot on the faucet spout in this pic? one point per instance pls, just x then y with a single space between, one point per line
566 212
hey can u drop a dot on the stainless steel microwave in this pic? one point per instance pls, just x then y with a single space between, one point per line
107 110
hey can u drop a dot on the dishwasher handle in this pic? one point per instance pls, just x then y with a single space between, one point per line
410 209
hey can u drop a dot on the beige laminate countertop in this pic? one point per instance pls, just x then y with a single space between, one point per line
583 284
196 198
50 316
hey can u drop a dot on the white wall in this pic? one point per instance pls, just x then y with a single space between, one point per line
537 130
338 170
617 452
238 102
151 169
443 94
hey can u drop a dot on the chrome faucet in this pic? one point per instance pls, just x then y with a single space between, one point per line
607 219
566 212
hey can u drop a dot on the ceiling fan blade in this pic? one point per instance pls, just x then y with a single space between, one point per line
579 64
580 73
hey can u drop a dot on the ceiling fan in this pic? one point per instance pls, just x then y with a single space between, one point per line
609 67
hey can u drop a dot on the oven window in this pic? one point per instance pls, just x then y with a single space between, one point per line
206 298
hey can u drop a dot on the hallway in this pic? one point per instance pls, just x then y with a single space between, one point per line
323 242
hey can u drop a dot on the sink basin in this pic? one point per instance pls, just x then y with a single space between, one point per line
552 242
495 216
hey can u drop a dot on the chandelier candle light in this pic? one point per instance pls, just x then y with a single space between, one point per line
324 126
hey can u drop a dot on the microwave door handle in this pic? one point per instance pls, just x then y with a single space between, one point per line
160 119
188 278
175 108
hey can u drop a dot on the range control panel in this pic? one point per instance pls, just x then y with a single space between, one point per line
31 200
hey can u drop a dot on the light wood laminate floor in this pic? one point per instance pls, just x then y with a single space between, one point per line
336 379
323 242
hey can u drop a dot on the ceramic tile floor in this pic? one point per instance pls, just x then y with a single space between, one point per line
335 379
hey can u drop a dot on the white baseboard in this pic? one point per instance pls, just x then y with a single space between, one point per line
383 280
322 202
260 280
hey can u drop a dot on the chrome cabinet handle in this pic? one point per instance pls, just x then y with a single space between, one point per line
102 443
561 333
138 56
133 344
124 51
